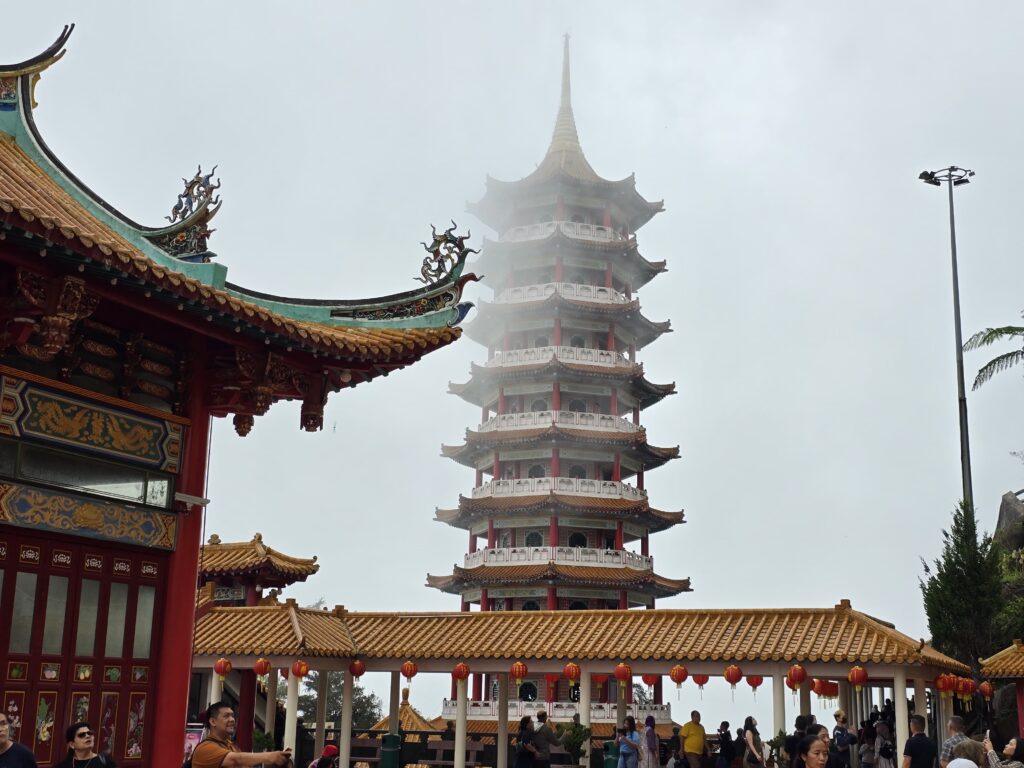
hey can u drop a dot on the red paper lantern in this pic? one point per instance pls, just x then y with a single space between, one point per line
649 679
261 667
790 684
357 668
754 681
623 673
701 680
797 674
409 670
733 675
944 684
678 675
460 671
830 689
222 667
986 690
857 677
300 668
284 673
571 671
518 672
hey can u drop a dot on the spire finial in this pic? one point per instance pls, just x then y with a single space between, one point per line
565 136
566 88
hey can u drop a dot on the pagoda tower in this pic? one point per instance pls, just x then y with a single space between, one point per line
559 504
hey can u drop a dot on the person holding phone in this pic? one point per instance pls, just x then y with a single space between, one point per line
629 743
1013 754
218 750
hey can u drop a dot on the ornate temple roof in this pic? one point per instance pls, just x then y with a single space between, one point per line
1007 664
50 213
470 510
644 581
484 379
409 719
838 634
634 443
254 559
565 164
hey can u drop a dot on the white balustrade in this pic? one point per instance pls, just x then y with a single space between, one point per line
602 422
590 556
573 486
574 229
558 711
587 355
595 293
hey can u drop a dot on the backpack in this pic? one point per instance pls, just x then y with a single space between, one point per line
887 750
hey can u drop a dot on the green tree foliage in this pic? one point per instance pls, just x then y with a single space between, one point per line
367 706
963 591
1001 362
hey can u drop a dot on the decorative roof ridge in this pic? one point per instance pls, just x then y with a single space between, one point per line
36 64
292 607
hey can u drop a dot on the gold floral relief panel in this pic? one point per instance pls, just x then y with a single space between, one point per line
39 509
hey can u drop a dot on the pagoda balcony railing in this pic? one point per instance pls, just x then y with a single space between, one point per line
558 711
588 355
599 422
595 293
574 229
574 486
589 556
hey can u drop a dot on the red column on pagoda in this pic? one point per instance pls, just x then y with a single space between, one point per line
645 545
490 533
553 531
611 337
485 603
617 467
472 542
623 600
556 468
640 479
556 397
552 599
501 401
175 663
618 535
496 467
558 332
608 275
613 404
559 270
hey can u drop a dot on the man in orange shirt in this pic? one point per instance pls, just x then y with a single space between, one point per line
218 750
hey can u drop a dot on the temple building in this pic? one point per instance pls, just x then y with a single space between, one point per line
118 344
559 516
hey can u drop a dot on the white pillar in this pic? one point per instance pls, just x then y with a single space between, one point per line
940 717
291 712
345 742
270 710
584 711
502 741
899 701
322 681
460 723
779 702
805 698
216 687
620 702
844 697
393 709
921 700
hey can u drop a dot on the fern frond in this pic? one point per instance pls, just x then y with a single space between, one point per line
992 335
998 365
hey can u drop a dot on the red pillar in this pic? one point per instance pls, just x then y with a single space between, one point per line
478 686
617 468
556 397
608 275
618 536
632 353
518 470
485 413
658 693
645 545
501 401
611 337
455 690
246 710
606 219
558 332
640 478
464 606
496 467
552 599
636 415
479 478
1020 706
559 270
175 663
490 534
613 405
472 542
556 466
623 600
485 603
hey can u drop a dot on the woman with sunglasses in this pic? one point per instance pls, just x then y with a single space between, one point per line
82 749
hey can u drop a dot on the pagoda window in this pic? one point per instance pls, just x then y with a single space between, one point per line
537 470
606 474
579 406
541 341
534 539
609 543
505 541
578 605
602 343
24 609
578 472
508 472
530 605
528 690
578 341
577 539
539 405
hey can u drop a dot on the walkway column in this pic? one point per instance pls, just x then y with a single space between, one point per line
216 687
393 704
502 740
844 699
345 742
805 697
779 702
270 711
921 701
291 712
620 703
322 680
899 700
584 711
460 726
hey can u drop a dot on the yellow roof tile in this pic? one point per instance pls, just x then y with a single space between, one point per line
254 557
1007 664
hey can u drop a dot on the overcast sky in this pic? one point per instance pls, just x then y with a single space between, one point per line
809 283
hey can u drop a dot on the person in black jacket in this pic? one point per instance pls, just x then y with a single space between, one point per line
726 746
81 749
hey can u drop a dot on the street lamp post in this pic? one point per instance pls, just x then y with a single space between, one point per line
954 177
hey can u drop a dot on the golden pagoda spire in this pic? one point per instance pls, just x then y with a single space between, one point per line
565 150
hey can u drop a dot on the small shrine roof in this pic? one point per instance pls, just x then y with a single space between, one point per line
577 575
409 719
1005 665
254 558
